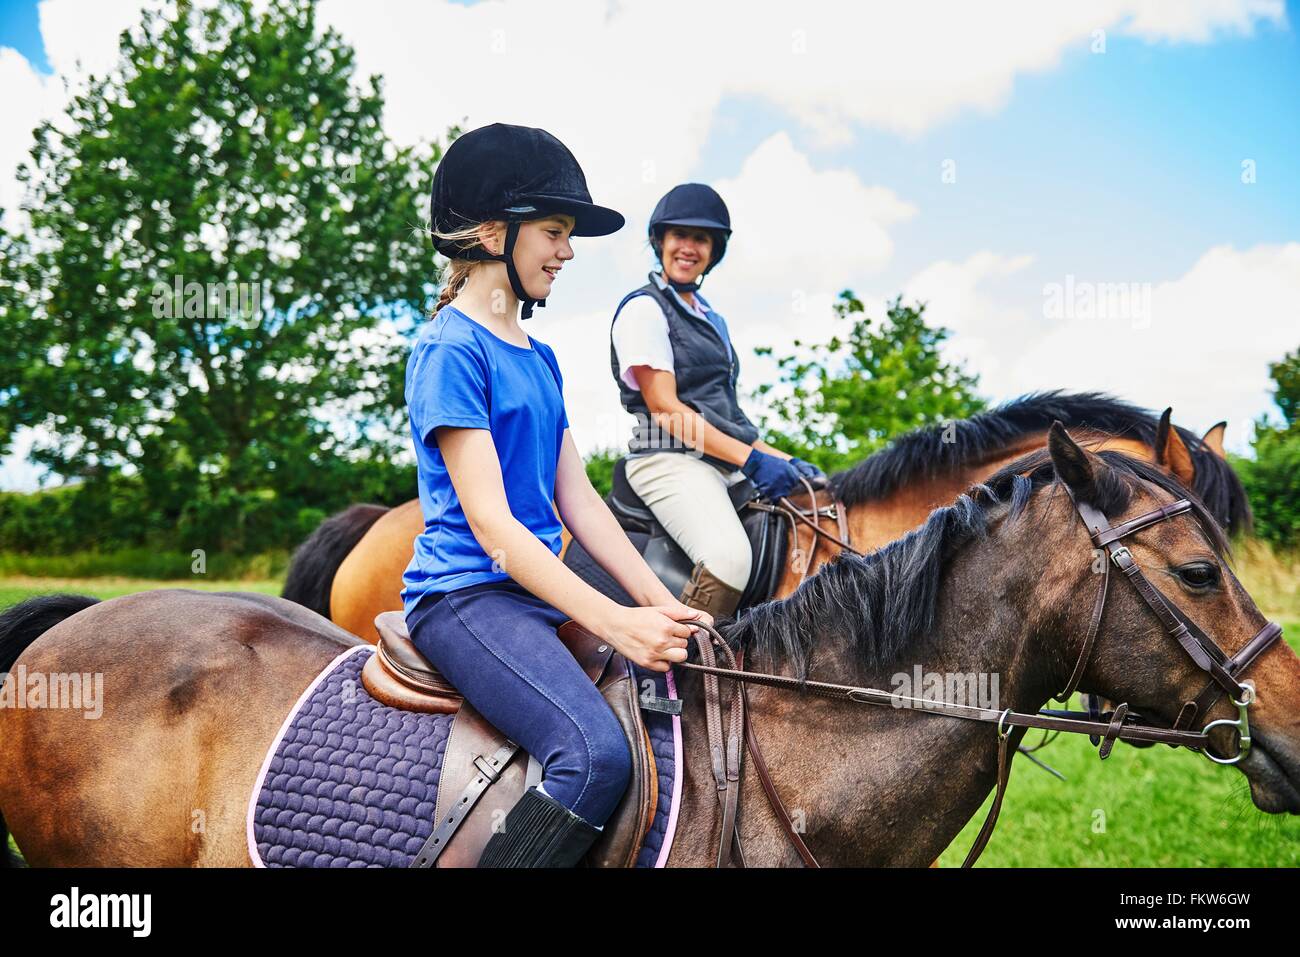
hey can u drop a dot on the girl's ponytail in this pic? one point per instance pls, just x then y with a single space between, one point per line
459 270
457 274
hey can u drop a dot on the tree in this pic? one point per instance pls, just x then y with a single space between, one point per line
1272 478
600 468
218 229
836 402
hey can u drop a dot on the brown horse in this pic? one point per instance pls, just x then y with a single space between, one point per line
195 685
351 568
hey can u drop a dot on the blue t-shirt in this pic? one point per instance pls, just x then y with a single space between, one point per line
460 374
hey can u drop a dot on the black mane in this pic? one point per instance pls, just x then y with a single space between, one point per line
880 604
923 453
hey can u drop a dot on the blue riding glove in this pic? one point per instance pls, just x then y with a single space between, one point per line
809 471
773 476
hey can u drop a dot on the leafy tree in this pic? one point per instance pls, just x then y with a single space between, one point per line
1286 378
1272 478
217 230
600 468
836 402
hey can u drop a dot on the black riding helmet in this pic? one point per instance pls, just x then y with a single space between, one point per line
692 204
511 173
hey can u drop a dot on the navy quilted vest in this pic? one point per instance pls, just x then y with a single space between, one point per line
706 370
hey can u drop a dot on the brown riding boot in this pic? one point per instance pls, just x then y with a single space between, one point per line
707 592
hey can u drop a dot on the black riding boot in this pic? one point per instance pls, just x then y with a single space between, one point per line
539 831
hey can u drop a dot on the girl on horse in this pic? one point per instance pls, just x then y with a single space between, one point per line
676 371
485 589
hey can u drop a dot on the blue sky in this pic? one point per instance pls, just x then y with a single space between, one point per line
20 29
1153 135
1115 167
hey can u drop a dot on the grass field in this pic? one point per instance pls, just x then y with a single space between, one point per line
1147 807
16 589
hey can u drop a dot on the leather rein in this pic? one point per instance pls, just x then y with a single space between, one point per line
1221 669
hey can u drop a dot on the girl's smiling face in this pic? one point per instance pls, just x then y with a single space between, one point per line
541 250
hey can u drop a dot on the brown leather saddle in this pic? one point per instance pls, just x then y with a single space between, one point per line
483 773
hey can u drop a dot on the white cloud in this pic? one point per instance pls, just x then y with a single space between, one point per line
955 297
29 98
17 474
635 101
792 220
1201 342
1198 20
634 88
82 38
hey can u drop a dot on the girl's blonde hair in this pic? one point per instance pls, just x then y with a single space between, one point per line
459 271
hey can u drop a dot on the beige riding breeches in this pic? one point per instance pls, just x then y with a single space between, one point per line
688 497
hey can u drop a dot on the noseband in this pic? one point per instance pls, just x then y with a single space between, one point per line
1222 671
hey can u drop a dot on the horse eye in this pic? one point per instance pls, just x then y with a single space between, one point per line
1200 575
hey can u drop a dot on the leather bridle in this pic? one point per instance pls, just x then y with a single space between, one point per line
1222 672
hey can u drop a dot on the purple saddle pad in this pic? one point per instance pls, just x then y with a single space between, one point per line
351 782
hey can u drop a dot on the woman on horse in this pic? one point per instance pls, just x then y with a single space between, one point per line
485 590
676 371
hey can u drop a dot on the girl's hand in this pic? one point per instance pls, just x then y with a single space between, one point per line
648 637
679 612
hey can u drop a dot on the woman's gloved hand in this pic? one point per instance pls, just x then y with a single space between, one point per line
811 472
773 476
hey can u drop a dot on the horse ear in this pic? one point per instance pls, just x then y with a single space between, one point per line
1171 451
1214 439
1162 435
1075 466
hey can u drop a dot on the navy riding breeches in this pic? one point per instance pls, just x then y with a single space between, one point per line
496 643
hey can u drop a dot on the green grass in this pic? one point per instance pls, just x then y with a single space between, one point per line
143 563
15 589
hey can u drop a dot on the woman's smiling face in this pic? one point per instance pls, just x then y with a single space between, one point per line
686 253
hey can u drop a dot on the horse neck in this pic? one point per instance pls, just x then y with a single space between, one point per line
870 785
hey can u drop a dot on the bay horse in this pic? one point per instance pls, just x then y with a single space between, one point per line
351 568
1000 582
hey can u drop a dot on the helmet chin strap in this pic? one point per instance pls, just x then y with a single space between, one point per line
516 284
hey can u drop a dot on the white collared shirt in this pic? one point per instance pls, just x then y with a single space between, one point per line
641 332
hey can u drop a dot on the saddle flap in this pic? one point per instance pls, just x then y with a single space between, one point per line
621 839
592 654
472 740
